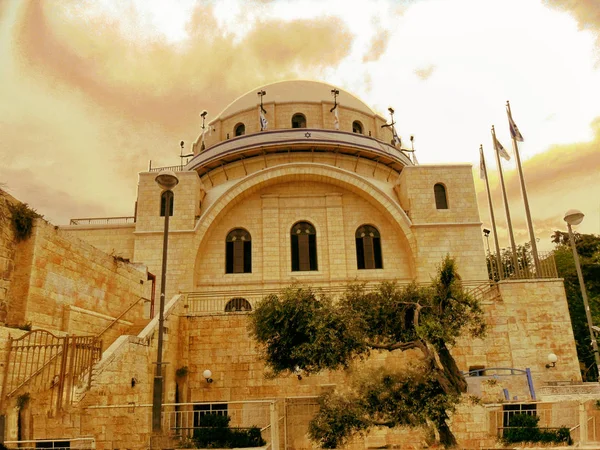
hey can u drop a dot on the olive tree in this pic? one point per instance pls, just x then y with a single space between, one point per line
302 329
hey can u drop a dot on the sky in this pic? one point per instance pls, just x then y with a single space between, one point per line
92 90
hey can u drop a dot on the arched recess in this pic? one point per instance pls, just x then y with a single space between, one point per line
304 171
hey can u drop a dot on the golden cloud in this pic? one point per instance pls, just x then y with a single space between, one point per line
378 46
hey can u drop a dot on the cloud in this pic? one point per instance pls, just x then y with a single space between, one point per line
378 46
425 72
92 92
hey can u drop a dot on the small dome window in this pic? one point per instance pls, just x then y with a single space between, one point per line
298 121
239 130
357 127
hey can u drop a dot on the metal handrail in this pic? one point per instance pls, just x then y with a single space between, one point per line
129 308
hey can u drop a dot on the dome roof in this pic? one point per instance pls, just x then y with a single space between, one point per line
294 91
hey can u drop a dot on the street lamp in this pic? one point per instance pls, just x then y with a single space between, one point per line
167 180
574 217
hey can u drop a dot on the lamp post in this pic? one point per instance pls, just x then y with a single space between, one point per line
574 217
167 180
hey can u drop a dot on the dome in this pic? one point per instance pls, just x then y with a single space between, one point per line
294 91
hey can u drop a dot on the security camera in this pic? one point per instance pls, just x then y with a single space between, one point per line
203 113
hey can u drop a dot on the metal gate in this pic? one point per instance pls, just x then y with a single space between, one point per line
41 361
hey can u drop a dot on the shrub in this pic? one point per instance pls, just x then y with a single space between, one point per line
524 428
214 432
22 217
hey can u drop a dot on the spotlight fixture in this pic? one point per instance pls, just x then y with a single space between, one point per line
486 232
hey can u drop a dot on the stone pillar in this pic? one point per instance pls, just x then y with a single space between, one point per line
273 266
335 236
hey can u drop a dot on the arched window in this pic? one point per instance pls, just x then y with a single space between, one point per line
163 203
368 248
304 247
298 121
239 130
238 252
441 201
238 304
357 127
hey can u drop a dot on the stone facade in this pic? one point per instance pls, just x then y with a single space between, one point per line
265 183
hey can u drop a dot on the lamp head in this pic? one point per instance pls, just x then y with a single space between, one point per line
552 358
573 217
207 374
203 113
486 232
167 179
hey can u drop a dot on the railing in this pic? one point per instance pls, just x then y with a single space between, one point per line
120 316
178 168
549 419
81 443
43 361
521 268
243 414
102 220
235 301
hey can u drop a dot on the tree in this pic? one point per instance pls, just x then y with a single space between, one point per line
525 265
303 330
588 248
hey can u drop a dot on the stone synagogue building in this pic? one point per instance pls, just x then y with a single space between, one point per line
317 196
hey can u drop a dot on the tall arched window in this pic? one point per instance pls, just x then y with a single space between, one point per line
368 248
298 121
238 252
357 127
163 203
239 130
441 200
304 247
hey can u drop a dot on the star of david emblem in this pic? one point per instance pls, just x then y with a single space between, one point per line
307 135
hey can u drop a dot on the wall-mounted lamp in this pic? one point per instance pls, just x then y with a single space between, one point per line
552 358
207 374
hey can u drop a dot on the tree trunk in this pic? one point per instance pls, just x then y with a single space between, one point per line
447 439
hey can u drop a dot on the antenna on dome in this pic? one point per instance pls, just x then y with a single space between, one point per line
261 94
335 93
386 125
181 155
203 115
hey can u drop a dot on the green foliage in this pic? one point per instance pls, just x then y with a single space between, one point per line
525 262
524 428
588 248
299 329
215 432
22 217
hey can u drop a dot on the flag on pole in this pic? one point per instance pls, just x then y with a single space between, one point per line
336 119
262 119
501 151
202 146
482 173
397 141
514 130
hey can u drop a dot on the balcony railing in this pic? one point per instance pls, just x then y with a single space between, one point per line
102 220
226 301
523 267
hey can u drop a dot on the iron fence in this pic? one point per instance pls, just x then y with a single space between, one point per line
81 443
521 265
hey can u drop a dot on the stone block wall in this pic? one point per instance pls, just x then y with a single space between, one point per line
55 269
7 251
117 240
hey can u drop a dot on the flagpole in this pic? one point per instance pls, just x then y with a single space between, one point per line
506 208
536 258
487 185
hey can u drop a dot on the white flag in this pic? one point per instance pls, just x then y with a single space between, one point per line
481 165
397 141
336 120
202 146
514 131
501 151
262 119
